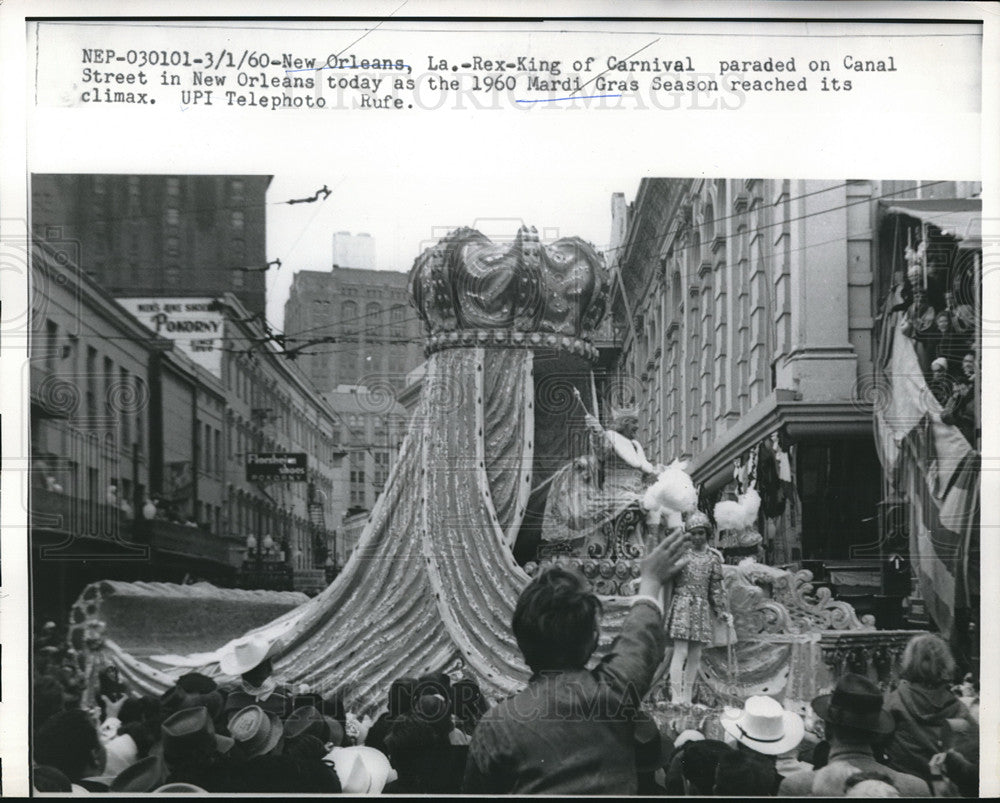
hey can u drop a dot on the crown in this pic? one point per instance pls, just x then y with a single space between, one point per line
471 291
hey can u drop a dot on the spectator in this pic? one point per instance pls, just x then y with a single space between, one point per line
960 409
257 732
741 774
144 775
922 703
699 764
649 758
765 729
674 775
853 719
919 326
194 753
468 704
400 701
49 779
571 731
47 696
949 344
250 660
869 784
953 775
69 742
940 383
423 764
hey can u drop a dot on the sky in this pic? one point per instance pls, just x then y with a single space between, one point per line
405 217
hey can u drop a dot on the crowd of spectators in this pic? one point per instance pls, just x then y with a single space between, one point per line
571 730
944 341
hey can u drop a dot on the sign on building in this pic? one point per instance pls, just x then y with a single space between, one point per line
189 322
276 466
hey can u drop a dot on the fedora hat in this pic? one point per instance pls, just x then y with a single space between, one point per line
256 731
856 702
191 733
143 776
764 726
243 655
177 699
306 720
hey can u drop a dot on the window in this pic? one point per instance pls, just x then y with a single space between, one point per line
172 275
173 187
123 388
172 216
349 317
236 219
237 278
173 246
51 344
91 382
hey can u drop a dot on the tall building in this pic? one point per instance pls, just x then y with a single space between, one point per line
353 250
149 235
748 317
372 334
369 430
140 455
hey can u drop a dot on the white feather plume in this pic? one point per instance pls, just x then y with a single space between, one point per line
673 490
729 515
750 502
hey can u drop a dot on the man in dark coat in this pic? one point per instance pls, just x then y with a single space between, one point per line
572 730
854 720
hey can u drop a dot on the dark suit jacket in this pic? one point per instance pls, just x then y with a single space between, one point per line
571 732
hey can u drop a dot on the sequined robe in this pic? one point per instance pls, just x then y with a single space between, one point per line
698 594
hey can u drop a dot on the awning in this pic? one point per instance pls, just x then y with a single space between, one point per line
961 218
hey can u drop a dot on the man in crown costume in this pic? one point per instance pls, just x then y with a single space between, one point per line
698 594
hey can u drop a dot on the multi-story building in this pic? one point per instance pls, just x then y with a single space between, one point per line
365 329
746 311
156 235
139 455
369 431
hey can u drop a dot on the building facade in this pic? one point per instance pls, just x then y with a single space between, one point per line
746 312
369 431
366 331
155 235
139 455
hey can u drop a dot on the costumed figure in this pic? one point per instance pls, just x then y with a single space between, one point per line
588 494
698 594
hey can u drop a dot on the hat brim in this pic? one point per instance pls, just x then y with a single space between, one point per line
277 731
882 724
794 729
232 664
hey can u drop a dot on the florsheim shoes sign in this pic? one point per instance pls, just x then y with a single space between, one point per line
276 466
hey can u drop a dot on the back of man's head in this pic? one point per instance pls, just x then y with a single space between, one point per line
699 762
743 774
555 621
69 742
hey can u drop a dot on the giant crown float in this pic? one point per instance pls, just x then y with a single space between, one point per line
471 291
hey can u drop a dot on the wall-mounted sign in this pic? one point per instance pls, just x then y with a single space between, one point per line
276 466
197 330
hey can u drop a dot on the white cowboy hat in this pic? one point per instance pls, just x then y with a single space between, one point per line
362 770
244 655
764 726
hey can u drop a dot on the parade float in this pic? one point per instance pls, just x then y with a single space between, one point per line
458 530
